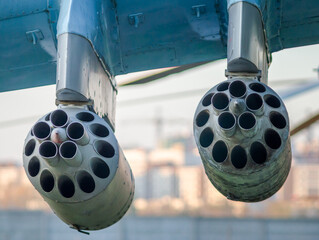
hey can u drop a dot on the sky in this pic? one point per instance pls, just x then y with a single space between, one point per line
136 113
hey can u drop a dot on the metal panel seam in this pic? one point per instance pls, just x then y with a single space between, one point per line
23 15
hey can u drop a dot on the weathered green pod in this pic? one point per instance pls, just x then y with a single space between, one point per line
241 129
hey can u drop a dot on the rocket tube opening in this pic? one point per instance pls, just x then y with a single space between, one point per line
48 149
85 116
247 120
75 131
206 137
254 101
272 101
258 152
47 181
59 118
238 157
29 147
226 120
34 167
104 149
220 152
66 186
207 100
272 139
85 181
257 87
237 89
202 118
68 149
99 168
220 101
99 130
223 86
41 130
278 120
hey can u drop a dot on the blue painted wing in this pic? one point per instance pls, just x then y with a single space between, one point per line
135 35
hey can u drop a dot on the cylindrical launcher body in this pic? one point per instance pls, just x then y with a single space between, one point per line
241 128
82 174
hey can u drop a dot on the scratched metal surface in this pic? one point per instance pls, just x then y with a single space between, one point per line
136 35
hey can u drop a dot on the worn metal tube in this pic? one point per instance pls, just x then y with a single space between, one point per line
220 102
255 103
49 151
227 123
76 132
59 118
70 153
247 124
41 130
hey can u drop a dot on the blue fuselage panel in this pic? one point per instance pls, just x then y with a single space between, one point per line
26 60
170 33
135 35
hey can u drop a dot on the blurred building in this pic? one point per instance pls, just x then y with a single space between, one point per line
173 179
16 190
306 180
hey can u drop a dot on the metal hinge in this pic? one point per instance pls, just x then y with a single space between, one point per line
136 19
199 10
34 36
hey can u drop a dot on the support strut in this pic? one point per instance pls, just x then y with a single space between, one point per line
247 53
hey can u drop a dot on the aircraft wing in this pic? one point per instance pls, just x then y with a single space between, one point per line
138 35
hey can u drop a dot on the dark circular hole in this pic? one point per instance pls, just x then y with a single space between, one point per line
85 116
75 131
238 157
278 120
59 118
85 181
99 130
258 152
220 101
100 168
206 137
272 101
202 118
68 149
66 186
207 100
237 89
272 139
47 117
257 87
34 166
29 148
46 181
104 148
254 101
223 86
247 120
226 120
41 130
220 151
48 149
